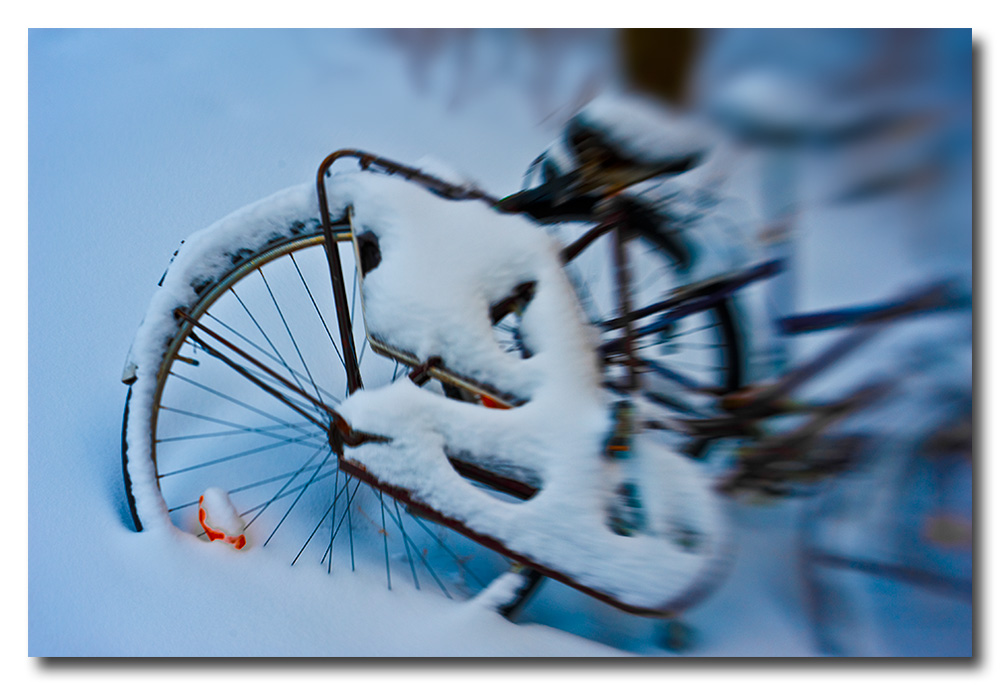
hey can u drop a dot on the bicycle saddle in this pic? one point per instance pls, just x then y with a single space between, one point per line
611 145
635 135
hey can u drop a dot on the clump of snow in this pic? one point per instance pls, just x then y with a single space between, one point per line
645 129
501 591
220 514
444 264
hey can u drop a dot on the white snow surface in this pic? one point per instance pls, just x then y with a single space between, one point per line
645 129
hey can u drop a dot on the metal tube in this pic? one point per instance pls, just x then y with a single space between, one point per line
337 279
624 287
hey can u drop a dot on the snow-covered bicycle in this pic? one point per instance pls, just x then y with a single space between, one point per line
516 405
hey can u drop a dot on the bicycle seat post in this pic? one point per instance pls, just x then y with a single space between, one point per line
623 284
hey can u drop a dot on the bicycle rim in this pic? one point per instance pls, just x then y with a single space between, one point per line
266 445
692 360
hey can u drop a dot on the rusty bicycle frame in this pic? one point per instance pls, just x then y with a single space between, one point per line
425 369
741 410
682 302
621 351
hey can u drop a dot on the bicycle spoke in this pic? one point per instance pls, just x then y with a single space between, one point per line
238 455
242 488
333 398
281 359
313 533
238 426
674 404
203 436
423 560
318 313
350 528
697 365
237 402
406 542
333 517
287 493
288 330
278 495
707 327
347 508
364 346
446 548
334 529
587 300
296 501
385 543
695 346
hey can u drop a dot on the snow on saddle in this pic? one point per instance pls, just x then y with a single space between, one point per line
612 144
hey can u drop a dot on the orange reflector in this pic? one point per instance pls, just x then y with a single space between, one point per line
491 403
237 541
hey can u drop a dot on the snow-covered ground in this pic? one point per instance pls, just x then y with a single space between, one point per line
139 138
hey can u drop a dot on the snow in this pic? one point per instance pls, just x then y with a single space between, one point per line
135 144
220 141
204 255
220 513
645 129
450 269
430 295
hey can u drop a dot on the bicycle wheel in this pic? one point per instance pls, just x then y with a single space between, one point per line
687 362
210 417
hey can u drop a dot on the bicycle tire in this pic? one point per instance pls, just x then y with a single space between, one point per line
192 422
702 357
